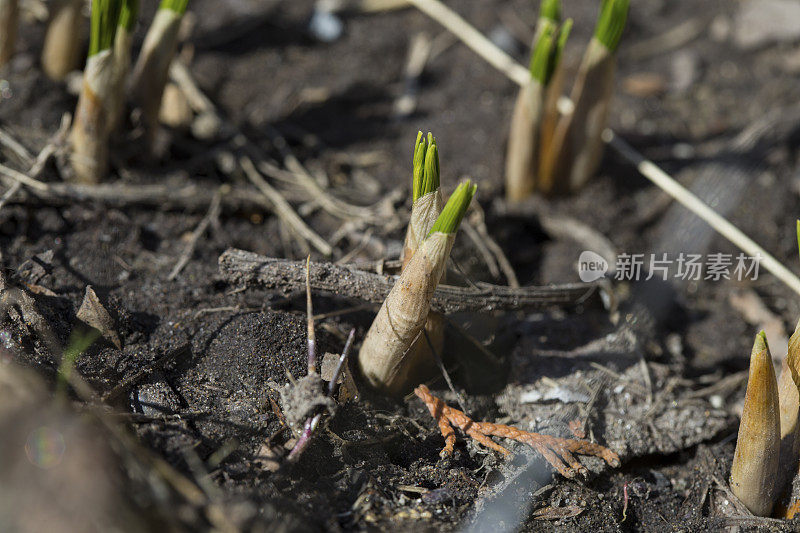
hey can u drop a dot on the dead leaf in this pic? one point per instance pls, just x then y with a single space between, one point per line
93 314
330 361
39 289
556 513
644 84
576 427
267 458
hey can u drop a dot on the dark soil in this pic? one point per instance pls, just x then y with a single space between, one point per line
202 359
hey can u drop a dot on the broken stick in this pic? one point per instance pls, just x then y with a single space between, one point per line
247 268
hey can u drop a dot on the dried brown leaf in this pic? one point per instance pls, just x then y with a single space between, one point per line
93 314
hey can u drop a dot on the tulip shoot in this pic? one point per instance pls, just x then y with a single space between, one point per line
535 104
426 208
61 53
523 141
383 358
90 129
754 472
123 40
577 145
9 18
152 66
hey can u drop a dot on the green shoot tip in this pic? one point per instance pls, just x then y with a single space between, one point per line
563 35
798 236
450 218
550 9
611 22
542 56
761 342
178 6
128 15
426 166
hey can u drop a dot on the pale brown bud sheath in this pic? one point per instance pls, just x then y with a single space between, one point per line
522 157
152 67
9 15
383 358
755 463
577 146
61 53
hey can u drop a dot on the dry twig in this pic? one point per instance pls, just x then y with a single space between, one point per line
556 451
244 268
213 214
283 209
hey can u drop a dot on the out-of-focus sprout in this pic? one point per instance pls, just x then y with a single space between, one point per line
61 53
90 128
9 18
152 66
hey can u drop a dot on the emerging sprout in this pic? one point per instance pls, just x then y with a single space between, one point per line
453 212
61 53
152 66
577 146
9 15
532 115
755 463
90 129
122 58
768 444
388 357
550 9
425 210
553 153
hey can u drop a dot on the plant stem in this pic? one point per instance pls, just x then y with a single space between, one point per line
96 104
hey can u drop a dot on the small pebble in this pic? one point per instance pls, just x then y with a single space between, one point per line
716 401
325 26
500 36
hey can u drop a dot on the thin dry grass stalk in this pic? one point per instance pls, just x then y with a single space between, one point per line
61 53
754 472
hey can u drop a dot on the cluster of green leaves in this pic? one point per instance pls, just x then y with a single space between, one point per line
450 218
426 166
551 37
105 15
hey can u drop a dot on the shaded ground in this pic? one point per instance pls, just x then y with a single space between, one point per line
208 400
